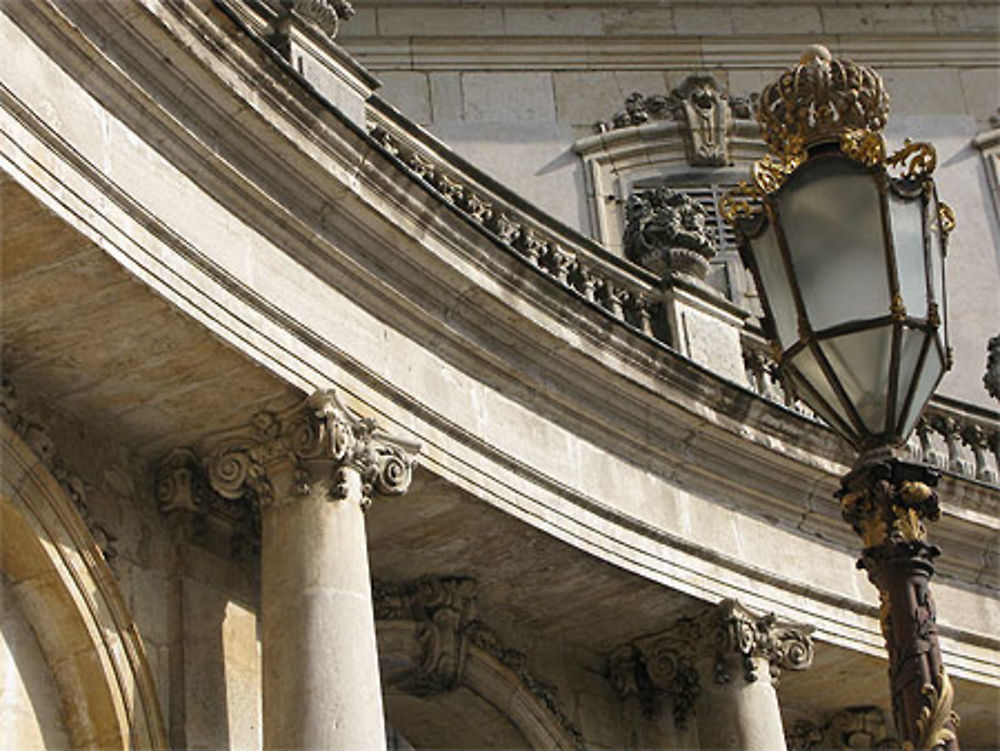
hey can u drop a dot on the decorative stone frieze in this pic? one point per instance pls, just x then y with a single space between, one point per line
319 444
851 728
665 232
30 428
619 298
703 109
666 664
444 609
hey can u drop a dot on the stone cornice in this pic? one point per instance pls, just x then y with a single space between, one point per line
535 53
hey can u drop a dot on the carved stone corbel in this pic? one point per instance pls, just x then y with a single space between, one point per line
702 106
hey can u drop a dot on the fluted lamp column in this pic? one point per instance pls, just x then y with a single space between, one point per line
313 471
847 243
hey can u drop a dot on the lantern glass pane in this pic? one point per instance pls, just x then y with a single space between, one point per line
911 344
861 363
831 213
908 238
927 381
775 282
937 254
808 370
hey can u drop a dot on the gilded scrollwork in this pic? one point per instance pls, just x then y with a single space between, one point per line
937 722
919 158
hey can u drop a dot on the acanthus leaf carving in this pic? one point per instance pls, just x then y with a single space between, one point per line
665 232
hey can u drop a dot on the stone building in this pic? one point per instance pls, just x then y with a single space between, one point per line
429 343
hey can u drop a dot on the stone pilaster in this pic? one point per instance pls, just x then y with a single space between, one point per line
720 668
309 473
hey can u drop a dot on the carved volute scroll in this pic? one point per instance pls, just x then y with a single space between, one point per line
318 446
666 664
665 232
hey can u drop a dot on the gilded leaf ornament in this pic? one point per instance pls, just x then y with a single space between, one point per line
935 717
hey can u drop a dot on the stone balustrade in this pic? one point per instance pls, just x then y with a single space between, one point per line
576 263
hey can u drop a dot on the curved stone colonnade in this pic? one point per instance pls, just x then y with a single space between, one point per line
287 232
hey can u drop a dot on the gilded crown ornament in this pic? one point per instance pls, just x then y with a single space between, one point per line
824 100
819 100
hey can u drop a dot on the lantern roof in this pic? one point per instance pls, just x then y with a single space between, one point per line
821 99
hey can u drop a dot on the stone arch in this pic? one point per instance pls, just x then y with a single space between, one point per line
485 677
68 595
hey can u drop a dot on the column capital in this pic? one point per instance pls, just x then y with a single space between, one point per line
670 663
731 630
319 445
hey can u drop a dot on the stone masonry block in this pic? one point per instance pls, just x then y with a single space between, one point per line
584 98
508 97
638 21
896 19
981 89
918 91
700 19
790 19
409 92
446 97
445 21
550 21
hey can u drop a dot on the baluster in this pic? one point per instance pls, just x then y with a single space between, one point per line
975 438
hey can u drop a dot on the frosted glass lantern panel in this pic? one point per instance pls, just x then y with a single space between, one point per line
937 258
832 216
808 369
911 345
927 381
775 282
908 237
861 363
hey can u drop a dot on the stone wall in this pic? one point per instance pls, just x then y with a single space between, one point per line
510 87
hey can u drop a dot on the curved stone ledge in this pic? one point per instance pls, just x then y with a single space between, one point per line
638 455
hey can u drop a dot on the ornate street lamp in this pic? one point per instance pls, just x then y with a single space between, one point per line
849 263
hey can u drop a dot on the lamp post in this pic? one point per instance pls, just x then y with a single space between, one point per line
849 263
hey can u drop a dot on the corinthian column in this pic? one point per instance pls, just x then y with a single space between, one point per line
312 471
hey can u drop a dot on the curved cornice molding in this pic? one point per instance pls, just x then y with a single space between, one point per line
398 260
